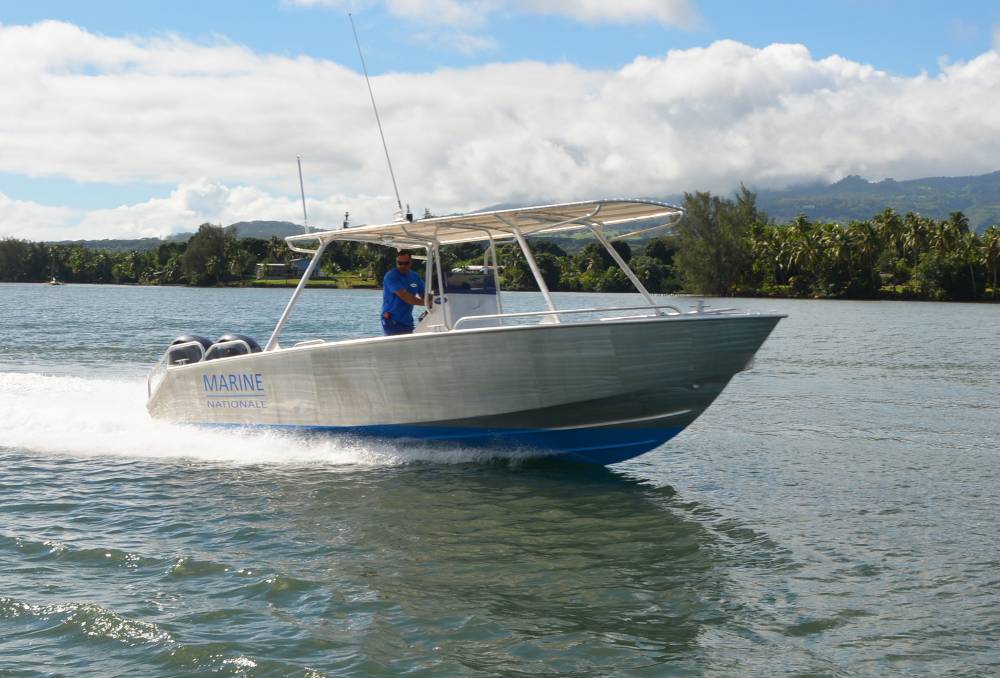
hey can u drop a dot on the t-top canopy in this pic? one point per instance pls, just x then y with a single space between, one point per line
498 224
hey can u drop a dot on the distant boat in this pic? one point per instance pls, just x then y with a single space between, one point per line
597 385
55 281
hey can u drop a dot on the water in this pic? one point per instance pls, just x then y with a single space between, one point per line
833 514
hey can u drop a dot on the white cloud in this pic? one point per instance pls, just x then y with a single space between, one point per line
91 108
462 13
444 12
475 13
32 221
668 12
186 207
203 201
453 24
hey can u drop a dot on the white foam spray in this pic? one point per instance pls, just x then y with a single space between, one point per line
107 417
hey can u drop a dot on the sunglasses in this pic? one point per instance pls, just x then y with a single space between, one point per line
403 263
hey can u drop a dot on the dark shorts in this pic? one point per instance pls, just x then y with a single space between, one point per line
390 327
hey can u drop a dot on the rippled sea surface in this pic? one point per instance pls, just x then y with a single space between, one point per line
834 513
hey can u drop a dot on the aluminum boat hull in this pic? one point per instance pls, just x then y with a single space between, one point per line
596 392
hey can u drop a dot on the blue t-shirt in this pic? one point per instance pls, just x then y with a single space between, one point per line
402 312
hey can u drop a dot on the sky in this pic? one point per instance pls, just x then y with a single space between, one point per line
122 119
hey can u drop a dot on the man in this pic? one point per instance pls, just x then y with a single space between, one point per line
402 289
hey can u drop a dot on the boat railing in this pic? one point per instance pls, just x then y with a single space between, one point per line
155 375
672 311
223 345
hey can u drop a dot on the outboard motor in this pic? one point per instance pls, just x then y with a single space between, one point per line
229 345
186 351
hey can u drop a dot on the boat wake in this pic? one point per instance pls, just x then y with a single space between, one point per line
44 414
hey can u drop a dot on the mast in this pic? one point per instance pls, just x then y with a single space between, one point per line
302 191
378 120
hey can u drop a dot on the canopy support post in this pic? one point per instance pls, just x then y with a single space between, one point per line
535 271
496 272
436 249
624 267
272 343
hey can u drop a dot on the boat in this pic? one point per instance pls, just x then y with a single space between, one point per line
597 384
55 281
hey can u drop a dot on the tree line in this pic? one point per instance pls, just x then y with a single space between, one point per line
729 247
722 247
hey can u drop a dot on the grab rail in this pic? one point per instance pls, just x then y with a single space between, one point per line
215 348
174 347
157 373
163 363
524 314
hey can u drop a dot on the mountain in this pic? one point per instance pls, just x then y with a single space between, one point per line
254 229
123 245
853 197
244 229
856 198
265 229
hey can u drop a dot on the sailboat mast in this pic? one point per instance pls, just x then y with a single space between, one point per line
302 192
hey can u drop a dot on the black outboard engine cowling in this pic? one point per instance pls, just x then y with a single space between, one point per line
184 355
233 349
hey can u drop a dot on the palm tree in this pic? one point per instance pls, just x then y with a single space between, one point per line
914 235
958 223
989 246
958 237
832 259
800 248
967 245
831 240
889 228
946 234
765 248
865 239
277 249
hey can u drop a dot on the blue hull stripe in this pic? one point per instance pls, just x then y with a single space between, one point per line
587 445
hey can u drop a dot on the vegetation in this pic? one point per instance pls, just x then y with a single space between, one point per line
887 256
856 199
722 247
712 242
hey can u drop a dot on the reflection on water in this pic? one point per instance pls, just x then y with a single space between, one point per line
518 561
449 568
466 567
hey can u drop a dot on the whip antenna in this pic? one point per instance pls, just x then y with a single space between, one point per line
302 189
364 68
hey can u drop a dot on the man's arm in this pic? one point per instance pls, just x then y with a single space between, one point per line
411 299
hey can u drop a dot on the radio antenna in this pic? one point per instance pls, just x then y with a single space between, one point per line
364 68
302 190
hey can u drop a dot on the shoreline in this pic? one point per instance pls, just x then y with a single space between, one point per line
336 288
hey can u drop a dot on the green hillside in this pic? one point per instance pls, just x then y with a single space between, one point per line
854 198
851 198
265 229
243 229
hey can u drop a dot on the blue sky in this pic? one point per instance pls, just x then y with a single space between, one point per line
445 44
900 36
